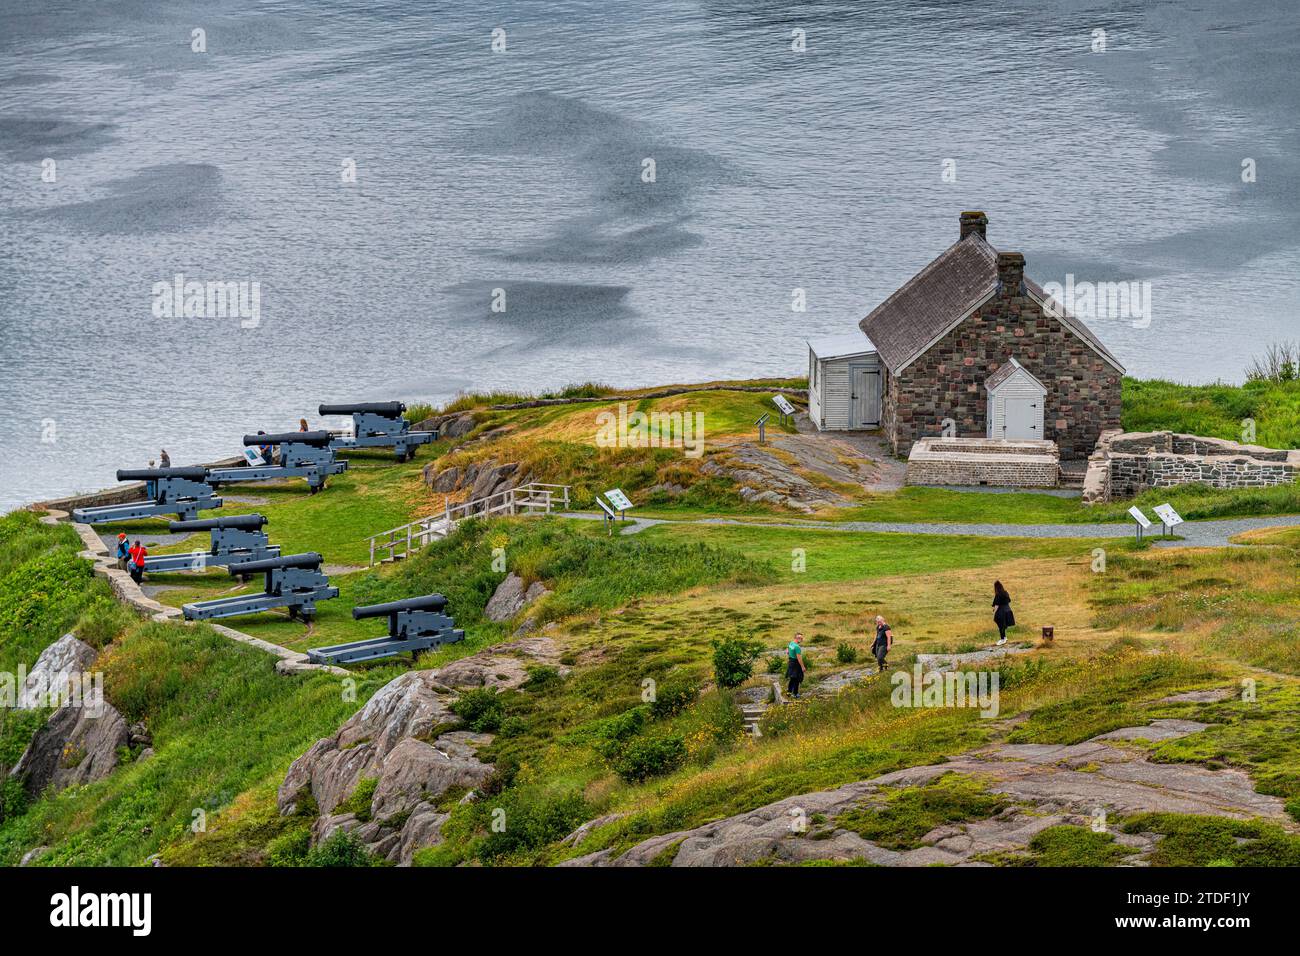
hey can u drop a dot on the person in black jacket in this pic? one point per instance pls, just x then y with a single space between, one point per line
1002 615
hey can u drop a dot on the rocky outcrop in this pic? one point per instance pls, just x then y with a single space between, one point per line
455 425
77 745
59 666
1047 784
403 739
480 479
511 597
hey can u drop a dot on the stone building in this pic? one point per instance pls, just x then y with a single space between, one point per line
944 342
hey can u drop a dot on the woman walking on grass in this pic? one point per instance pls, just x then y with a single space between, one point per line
880 647
1002 615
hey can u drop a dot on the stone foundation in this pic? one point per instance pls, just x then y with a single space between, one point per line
983 461
1125 464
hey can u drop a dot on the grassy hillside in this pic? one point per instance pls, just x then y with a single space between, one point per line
572 747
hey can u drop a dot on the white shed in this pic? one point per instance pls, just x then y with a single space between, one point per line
844 376
1015 403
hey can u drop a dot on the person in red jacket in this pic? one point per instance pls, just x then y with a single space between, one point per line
136 564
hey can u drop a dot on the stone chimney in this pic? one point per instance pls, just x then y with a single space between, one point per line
1011 274
974 221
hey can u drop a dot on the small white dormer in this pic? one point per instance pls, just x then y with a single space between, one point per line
1016 403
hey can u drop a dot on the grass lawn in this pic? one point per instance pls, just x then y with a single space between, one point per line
1217 411
814 555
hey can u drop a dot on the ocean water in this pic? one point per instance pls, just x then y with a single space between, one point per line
522 170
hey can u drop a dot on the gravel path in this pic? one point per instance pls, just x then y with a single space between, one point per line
1200 534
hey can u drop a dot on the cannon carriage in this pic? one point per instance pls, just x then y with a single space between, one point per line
415 625
302 455
378 425
294 581
233 538
183 491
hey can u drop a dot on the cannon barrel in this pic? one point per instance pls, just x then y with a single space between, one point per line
429 602
386 409
193 472
247 522
309 559
319 439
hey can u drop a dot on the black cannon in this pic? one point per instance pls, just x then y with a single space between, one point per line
415 625
234 538
302 455
379 425
294 581
183 492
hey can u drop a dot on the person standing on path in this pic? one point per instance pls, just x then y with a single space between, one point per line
123 550
884 641
1002 615
136 567
794 666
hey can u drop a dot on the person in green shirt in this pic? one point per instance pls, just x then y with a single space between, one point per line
794 667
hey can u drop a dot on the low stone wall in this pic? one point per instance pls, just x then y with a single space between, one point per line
984 461
1125 464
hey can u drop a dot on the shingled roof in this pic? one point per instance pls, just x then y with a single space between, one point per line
934 300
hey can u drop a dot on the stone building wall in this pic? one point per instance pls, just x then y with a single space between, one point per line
1126 464
1083 389
978 461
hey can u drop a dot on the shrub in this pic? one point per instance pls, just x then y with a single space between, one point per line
341 849
480 708
733 660
845 653
532 819
360 800
651 757
672 699
542 678
775 664
622 726
289 848
102 620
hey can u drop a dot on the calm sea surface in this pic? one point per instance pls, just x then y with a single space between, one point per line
522 170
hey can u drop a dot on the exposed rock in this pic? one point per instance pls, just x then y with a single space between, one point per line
389 740
1045 781
511 597
416 771
1199 696
32 855
493 478
449 426
580 834
444 481
423 829
140 736
58 665
77 745
947 662
407 706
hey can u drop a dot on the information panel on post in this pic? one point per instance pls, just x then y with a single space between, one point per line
618 499
1167 515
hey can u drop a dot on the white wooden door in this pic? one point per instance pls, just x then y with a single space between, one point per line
1024 418
865 396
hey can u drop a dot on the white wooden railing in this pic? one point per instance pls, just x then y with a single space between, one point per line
532 498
